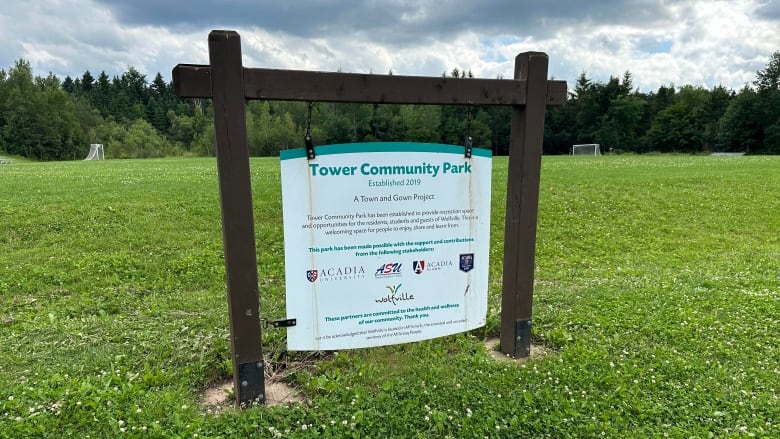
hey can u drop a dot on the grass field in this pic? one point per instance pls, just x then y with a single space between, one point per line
657 299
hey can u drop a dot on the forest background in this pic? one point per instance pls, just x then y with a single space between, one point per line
46 118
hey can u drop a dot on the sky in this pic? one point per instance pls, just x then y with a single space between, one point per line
660 42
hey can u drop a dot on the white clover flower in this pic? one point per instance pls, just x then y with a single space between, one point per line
344 422
427 419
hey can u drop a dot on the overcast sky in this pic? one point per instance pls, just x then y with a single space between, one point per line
661 42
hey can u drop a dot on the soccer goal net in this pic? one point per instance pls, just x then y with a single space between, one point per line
95 152
586 149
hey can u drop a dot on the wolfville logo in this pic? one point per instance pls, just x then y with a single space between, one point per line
391 269
395 295
336 273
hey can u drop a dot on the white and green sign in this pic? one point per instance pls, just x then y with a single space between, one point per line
385 243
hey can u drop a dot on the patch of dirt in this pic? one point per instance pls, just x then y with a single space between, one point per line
219 397
277 392
537 352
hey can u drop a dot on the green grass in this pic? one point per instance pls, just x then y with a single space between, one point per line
657 293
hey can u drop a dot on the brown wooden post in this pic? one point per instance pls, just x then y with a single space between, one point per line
238 233
522 203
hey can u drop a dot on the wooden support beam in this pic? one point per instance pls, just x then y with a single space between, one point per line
238 222
522 202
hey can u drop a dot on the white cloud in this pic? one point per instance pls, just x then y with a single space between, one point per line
660 42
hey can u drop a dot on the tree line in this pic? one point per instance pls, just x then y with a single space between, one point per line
45 118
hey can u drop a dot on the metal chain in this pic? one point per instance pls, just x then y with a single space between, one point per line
308 120
468 121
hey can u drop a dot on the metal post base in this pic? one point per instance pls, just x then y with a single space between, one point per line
522 338
251 383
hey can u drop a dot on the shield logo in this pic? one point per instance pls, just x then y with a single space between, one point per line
418 266
466 262
311 275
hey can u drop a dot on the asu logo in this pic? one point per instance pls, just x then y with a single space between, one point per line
311 275
418 266
388 270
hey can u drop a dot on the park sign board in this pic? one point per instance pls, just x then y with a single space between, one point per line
385 243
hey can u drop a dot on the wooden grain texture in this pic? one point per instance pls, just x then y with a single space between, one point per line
194 81
237 214
522 202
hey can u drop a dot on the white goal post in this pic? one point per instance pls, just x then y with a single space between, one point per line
96 152
586 149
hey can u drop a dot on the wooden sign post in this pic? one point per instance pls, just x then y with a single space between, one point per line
229 85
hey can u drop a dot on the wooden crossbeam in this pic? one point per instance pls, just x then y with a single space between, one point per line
194 81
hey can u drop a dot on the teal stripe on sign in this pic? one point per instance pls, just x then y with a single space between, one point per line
351 148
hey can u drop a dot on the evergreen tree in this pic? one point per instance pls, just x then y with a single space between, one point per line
741 127
22 101
68 85
3 107
421 123
768 84
101 98
86 82
769 78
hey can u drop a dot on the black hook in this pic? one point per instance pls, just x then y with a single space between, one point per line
307 138
468 133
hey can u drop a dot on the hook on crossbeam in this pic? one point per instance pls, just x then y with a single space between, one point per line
307 138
